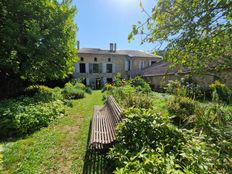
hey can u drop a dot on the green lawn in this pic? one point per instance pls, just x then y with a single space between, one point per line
59 148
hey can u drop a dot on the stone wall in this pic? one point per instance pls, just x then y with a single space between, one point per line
202 80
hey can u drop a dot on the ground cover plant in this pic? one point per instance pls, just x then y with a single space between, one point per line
25 114
58 148
175 134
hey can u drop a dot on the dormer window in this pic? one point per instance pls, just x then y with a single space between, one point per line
82 58
95 59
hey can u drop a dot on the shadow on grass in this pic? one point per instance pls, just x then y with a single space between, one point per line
96 161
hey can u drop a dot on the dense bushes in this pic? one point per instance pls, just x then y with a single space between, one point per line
181 109
24 115
186 87
190 137
75 90
37 108
221 93
147 143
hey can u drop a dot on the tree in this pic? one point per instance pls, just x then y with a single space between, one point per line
195 33
37 39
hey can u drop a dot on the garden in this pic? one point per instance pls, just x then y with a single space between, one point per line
180 131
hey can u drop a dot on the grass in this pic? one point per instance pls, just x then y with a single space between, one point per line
59 148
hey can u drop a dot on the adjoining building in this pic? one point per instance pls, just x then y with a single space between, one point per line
159 74
99 66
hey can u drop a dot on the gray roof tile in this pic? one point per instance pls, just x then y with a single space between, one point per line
130 53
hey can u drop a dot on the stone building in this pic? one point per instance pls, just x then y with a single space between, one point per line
98 66
159 74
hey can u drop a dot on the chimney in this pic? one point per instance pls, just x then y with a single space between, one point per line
78 45
111 47
115 47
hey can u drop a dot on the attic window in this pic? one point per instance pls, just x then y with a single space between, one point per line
82 58
95 59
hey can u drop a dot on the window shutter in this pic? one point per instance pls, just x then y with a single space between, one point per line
100 67
149 62
104 67
77 67
126 65
113 68
87 68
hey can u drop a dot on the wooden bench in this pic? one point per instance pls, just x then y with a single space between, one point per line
104 122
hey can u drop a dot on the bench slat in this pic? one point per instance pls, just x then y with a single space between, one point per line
104 124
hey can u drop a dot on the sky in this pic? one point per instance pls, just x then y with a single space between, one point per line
101 22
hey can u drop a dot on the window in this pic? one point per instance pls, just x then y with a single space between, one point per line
109 68
95 68
82 67
153 62
82 58
109 59
95 59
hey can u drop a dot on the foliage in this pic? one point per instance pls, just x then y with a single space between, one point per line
24 115
187 87
195 34
221 93
75 91
44 92
38 39
138 101
174 87
40 151
119 81
181 108
140 84
147 143
108 87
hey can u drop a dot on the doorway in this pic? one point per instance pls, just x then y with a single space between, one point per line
98 83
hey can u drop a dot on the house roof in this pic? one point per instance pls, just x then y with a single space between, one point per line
163 68
129 53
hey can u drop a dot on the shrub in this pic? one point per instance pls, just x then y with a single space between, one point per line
108 87
138 101
146 143
221 93
140 84
174 87
145 128
71 91
25 115
181 108
88 90
119 81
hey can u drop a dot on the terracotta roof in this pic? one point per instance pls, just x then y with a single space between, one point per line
129 53
163 68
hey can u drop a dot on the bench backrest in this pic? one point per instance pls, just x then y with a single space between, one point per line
115 109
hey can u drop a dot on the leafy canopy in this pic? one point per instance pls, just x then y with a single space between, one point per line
194 33
37 39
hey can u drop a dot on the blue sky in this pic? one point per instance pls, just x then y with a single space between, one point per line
103 21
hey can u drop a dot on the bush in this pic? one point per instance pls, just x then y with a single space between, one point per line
119 81
221 93
25 115
43 92
187 87
138 101
181 108
146 143
75 91
140 84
